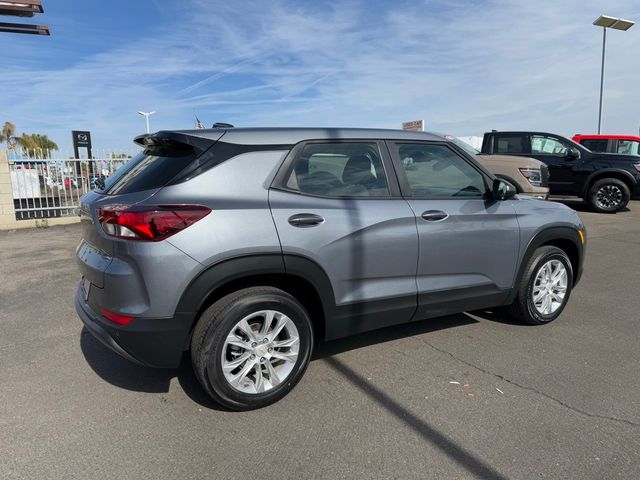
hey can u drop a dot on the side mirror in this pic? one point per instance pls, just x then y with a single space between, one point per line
503 190
573 154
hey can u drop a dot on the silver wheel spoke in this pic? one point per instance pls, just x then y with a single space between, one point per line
246 329
259 378
273 376
233 339
268 319
282 322
233 364
238 379
289 342
287 357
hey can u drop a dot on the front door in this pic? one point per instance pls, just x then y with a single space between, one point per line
554 151
338 205
468 242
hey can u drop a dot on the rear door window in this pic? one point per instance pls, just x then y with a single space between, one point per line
340 169
510 144
595 145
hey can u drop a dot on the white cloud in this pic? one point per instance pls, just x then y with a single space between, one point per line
464 66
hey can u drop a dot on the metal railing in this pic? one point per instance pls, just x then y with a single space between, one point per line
48 185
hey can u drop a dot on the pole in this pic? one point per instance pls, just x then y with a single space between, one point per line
147 115
604 46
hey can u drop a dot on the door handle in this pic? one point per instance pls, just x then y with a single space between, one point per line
305 220
434 215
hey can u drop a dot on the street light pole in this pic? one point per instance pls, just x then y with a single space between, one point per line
146 115
604 47
605 22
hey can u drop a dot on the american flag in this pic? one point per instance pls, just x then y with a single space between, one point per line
199 124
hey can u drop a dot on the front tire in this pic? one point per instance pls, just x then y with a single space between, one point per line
545 287
608 195
251 347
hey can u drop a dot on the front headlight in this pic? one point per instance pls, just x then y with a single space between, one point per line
637 166
533 175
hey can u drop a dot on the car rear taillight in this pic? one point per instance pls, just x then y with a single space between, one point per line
149 223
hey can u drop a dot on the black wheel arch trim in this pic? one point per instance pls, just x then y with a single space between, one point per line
221 273
544 237
603 174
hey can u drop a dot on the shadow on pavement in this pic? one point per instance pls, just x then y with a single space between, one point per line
126 375
455 452
388 334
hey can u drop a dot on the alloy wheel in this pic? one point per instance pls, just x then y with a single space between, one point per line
608 196
550 287
260 352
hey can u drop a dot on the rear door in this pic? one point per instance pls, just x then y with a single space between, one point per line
468 242
337 203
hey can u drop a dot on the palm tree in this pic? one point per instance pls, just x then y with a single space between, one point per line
8 131
36 144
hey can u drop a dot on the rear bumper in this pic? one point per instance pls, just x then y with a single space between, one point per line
148 342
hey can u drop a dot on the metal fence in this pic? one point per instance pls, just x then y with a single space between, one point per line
48 185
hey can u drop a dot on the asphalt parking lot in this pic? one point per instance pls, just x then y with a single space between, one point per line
559 401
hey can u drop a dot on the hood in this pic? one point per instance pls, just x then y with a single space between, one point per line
512 160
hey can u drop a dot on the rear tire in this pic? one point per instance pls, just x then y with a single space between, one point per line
608 195
251 347
545 287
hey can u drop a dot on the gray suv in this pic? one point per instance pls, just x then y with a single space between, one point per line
248 246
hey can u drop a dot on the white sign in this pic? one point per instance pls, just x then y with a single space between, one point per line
414 125
25 183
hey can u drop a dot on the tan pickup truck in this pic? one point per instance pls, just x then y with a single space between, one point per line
528 175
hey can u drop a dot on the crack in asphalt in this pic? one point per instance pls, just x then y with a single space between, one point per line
525 387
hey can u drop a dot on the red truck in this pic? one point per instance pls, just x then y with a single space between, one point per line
620 144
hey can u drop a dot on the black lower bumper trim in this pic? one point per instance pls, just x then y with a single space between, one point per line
101 334
152 342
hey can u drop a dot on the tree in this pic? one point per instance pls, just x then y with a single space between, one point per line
8 131
36 144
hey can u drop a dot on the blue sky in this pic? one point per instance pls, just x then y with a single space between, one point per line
463 66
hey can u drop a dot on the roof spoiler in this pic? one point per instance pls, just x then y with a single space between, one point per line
165 138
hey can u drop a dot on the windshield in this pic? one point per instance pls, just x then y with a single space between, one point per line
463 145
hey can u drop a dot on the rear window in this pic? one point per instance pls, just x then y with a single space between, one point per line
595 145
153 168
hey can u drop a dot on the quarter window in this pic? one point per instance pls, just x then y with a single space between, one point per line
340 169
541 145
628 147
436 171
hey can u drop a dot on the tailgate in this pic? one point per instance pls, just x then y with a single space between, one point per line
95 251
